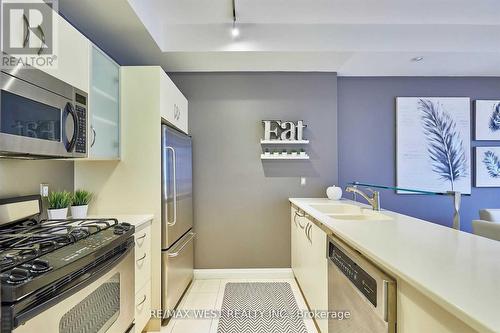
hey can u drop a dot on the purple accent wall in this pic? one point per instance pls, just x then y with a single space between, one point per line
367 139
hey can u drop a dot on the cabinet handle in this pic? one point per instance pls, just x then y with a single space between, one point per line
139 239
142 302
177 112
307 230
143 257
43 39
94 135
27 31
299 215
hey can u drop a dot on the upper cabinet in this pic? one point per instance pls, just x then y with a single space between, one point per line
70 47
104 100
82 65
72 56
173 104
72 51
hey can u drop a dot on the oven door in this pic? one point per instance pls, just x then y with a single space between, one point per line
104 305
35 121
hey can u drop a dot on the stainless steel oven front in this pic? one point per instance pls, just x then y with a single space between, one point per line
104 303
41 116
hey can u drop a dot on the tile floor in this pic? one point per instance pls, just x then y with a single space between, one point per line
208 295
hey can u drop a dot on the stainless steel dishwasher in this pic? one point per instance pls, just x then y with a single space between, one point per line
357 286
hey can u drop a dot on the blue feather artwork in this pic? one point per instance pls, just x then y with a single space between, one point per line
492 164
487 167
444 143
495 119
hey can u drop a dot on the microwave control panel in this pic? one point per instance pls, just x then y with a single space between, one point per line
81 140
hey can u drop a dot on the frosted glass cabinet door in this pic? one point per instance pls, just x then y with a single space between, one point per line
104 132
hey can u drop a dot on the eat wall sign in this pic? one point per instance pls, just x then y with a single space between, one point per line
283 130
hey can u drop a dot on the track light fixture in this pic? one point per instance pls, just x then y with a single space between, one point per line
235 32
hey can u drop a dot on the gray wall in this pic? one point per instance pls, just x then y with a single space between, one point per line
23 177
367 139
242 215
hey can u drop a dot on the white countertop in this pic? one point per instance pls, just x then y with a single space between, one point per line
457 270
134 219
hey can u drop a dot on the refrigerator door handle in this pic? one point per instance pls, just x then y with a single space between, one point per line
174 221
181 248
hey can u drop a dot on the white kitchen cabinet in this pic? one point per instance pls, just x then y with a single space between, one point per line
173 104
297 245
70 47
104 110
72 50
309 263
142 276
140 166
142 307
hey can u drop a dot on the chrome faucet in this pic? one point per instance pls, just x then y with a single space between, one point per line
373 200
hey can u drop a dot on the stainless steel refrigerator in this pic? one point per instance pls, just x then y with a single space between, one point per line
177 215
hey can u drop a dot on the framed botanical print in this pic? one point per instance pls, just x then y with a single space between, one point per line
487 166
487 125
433 144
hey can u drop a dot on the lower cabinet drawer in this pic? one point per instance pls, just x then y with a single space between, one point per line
142 257
143 238
142 307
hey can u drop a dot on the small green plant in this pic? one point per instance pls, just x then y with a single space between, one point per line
81 197
59 200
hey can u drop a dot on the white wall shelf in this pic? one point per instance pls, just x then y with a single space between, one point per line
284 142
284 157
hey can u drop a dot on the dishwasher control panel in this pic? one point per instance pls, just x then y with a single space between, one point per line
365 283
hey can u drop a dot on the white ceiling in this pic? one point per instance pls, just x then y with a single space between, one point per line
325 11
351 37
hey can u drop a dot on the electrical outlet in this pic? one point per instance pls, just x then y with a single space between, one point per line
44 190
302 181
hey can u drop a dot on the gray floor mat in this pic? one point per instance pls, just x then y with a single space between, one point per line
260 307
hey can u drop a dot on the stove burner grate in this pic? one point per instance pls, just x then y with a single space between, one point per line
28 240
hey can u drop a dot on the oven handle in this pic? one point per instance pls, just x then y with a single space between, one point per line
75 286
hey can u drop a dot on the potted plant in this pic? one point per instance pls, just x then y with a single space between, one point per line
58 205
80 204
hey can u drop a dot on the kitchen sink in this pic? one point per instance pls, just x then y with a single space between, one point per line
332 208
343 211
363 215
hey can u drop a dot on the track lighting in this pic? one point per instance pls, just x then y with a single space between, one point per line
235 31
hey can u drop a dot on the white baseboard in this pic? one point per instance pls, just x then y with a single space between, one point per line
244 273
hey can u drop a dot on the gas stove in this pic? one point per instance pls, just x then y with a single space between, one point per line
41 259
34 254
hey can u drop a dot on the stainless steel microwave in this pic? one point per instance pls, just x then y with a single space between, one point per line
41 116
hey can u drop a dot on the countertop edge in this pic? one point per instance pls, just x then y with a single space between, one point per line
137 220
